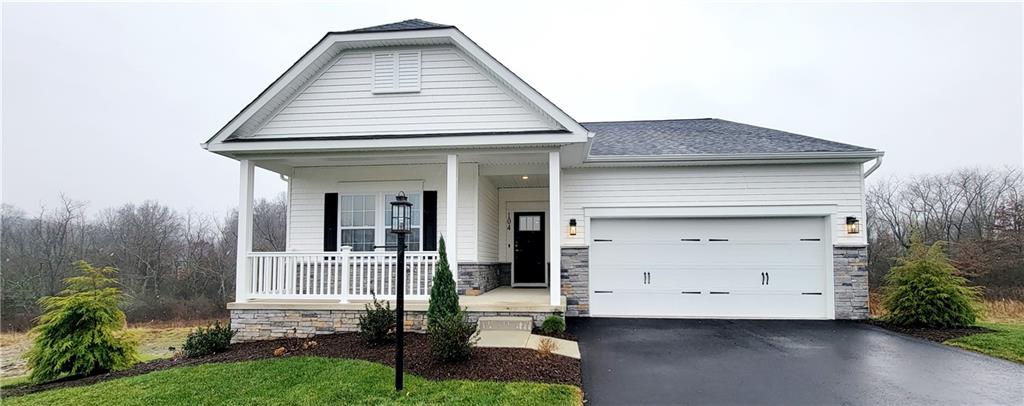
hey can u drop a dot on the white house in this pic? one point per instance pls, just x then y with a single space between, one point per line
540 213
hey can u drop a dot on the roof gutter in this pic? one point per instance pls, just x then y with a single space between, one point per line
865 155
878 162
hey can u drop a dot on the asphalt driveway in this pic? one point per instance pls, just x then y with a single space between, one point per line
713 362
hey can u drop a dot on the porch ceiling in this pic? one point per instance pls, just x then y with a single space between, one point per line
517 181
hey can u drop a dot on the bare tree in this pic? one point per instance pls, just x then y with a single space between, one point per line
268 223
973 209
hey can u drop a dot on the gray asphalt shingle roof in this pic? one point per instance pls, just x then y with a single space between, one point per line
701 136
407 25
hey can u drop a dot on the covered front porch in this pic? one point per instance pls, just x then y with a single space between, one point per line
496 210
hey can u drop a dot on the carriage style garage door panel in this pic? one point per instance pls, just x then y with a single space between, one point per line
709 267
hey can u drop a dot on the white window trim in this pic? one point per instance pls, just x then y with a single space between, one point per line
394 79
381 209
376 219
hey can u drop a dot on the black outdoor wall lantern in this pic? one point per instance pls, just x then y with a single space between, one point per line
401 224
572 226
852 225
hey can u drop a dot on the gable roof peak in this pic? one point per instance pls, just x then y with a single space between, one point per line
407 25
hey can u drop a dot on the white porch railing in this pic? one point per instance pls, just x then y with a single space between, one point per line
339 275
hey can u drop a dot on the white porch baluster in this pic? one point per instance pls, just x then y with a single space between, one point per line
346 251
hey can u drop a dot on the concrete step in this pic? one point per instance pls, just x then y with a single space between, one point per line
505 323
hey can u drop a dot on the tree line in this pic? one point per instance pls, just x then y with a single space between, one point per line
979 213
171 264
181 265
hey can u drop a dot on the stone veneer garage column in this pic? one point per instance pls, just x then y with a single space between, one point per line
850 267
576 281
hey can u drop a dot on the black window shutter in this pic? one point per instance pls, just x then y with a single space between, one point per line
430 220
330 222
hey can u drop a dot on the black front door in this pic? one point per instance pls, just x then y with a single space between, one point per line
528 255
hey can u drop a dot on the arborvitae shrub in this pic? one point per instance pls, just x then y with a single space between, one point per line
444 300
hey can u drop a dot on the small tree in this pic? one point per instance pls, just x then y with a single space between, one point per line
923 289
444 300
81 332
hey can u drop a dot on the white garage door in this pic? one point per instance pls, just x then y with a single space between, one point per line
713 267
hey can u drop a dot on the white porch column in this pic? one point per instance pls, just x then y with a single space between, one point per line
451 205
244 229
555 230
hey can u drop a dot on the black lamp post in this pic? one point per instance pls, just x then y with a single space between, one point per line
401 223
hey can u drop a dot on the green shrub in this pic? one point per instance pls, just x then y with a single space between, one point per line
452 337
924 290
444 300
82 331
377 325
553 325
207 340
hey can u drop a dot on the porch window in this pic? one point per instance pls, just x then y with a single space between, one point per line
358 218
364 221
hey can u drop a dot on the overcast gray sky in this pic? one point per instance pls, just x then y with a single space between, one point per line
108 103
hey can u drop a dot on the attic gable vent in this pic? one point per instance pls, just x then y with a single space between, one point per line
396 72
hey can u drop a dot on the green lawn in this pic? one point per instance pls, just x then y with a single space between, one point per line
1006 342
299 380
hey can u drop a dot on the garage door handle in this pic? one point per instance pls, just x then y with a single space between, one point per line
767 278
602 291
762 278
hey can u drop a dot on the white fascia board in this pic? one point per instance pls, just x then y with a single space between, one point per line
354 40
731 159
413 142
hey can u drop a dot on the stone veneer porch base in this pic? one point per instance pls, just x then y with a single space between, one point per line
266 320
269 324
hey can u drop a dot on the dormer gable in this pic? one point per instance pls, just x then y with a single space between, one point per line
401 80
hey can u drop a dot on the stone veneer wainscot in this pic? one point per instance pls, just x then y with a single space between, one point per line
269 324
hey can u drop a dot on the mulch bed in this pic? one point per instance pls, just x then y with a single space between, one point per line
935 334
486 364
565 335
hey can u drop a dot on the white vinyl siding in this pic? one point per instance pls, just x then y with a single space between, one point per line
396 72
455 96
487 221
467 215
749 185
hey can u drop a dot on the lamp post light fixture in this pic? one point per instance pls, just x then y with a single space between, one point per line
401 224
572 227
852 225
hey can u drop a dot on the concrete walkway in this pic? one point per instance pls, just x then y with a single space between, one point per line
524 339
